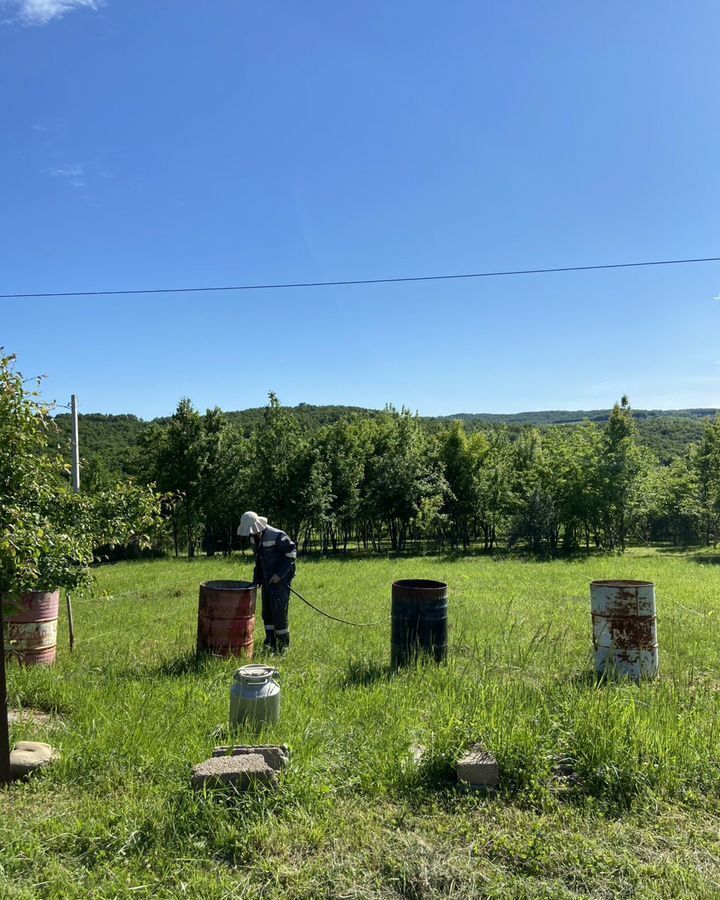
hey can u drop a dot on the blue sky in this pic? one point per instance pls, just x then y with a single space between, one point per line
178 143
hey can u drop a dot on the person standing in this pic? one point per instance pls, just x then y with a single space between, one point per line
275 556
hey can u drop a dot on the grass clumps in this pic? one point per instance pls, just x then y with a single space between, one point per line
607 789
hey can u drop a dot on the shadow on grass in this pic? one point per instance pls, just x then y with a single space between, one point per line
710 560
587 679
365 672
190 663
682 550
434 781
609 678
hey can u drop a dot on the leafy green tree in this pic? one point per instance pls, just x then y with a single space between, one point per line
620 466
227 491
178 467
47 532
277 461
96 475
495 487
683 511
344 448
316 500
400 476
461 457
705 457
538 490
213 480
581 505
650 502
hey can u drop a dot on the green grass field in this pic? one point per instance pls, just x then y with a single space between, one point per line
354 816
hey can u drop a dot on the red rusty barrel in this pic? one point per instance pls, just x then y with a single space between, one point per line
226 618
31 627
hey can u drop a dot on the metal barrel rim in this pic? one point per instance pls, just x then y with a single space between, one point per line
623 583
227 585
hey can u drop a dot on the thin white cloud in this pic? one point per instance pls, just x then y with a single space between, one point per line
40 12
74 174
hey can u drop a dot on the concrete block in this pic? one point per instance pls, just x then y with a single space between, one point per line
418 753
478 769
29 756
276 756
241 771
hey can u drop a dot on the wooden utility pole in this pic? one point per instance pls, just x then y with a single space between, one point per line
4 724
75 445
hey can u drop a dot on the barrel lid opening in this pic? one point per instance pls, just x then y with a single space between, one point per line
622 584
228 585
419 584
255 671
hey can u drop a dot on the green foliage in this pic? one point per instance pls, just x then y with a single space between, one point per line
278 457
117 439
343 449
111 438
402 476
706 462
334 476
47 533
188 460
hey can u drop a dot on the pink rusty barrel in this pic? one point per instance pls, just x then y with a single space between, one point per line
31 627
226 618
624 628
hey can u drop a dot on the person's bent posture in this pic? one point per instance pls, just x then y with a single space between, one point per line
275 556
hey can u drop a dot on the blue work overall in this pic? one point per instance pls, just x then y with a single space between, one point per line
275 555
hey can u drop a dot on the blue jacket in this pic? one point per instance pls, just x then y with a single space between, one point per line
275 555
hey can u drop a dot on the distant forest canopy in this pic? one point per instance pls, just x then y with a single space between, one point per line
111 441
337 478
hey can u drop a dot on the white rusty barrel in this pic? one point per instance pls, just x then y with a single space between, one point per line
624 628
31 627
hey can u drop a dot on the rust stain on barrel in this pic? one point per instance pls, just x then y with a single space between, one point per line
625 626
226 618
31 628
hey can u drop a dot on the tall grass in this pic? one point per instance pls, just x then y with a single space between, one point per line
607 789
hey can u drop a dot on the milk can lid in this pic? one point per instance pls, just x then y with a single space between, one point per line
256 672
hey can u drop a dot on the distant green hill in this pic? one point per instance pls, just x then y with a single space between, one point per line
566 417
114 438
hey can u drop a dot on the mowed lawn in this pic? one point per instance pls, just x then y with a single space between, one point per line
635 815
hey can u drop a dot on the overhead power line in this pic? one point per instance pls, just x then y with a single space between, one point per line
357 281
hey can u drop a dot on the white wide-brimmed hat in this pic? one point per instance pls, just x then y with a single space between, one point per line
251 523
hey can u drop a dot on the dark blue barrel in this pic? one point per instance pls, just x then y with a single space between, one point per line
419 621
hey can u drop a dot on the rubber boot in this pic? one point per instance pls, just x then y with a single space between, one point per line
283 643
270 643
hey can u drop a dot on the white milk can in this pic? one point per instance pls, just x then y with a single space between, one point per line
255 696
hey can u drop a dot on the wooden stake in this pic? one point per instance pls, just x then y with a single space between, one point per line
71 626
4 722
75 445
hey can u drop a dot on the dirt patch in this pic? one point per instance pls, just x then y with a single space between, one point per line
31 716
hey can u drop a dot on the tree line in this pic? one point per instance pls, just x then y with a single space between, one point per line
388 482
111 441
